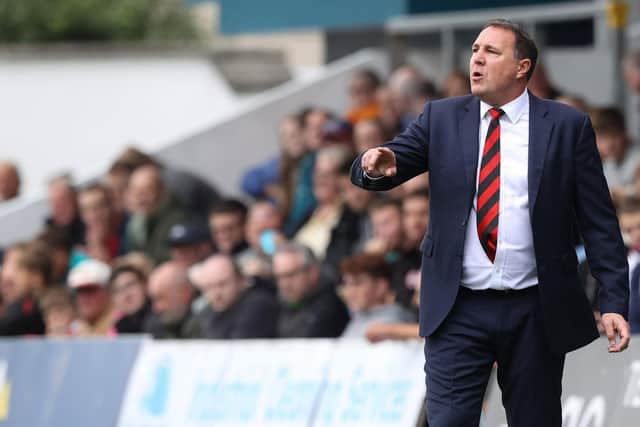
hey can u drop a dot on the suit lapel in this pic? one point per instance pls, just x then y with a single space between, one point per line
540 128
469 125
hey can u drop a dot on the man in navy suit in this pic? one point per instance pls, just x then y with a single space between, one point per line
511 177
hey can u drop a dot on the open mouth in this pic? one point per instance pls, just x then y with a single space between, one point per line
476 75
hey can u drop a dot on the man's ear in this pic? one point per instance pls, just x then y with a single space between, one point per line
524 66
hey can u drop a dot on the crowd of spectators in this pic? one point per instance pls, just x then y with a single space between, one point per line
151 249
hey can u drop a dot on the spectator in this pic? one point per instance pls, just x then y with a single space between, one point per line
104 230
316 231
619 157
368 133
128 289
154 210
189 242
456 84
171 296
427 92
266 180
58 312
62 253
632 70
117 180
236 308
309 308
303 201
88 281
377 332
263 232
366 290
10 263
290 166
9 181
362 93
194 193
389 116
405 84
629 217
353 228
32 276
227 222
415 221
386 218
540 85
64 209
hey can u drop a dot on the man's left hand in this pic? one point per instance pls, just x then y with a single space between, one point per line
615 326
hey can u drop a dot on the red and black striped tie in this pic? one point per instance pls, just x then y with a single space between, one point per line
488 205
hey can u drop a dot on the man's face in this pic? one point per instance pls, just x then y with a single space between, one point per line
9 183
361 292
313 131
262 216
356 198
94 208
632 75
62 200
415 218
143 193
367 134
630 226
221 286
361 91
293 278
24 282
8 276
91 302
190 254
291 138
388 113
493 64
227 231
117 183
610 144
128 292
326 184
169 301
387 225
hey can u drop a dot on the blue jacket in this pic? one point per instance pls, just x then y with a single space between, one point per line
566 188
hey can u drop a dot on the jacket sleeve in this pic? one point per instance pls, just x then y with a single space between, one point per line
411 149
598 225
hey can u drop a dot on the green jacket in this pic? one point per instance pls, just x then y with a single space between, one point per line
149 234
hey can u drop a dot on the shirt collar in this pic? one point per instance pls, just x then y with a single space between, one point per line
513 110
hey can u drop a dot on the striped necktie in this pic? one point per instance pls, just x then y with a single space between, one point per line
488 205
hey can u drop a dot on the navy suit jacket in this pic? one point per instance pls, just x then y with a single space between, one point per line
567 190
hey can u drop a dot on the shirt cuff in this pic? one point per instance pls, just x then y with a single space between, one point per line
371 178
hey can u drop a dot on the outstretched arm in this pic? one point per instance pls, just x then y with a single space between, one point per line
397 161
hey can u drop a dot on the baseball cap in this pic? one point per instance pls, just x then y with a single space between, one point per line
187 233
89 272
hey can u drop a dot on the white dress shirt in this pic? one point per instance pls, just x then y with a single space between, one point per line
514 266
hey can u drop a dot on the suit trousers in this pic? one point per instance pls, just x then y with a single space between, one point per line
490 326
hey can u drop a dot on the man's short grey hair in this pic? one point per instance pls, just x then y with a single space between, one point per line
306 254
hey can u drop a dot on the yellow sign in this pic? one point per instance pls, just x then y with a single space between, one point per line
617 12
